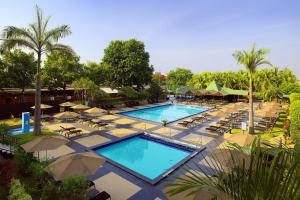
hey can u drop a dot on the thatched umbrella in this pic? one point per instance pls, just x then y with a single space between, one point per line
43 107
67 104
80 107
228 158
77 164
95 111
44 143
241 139
66 115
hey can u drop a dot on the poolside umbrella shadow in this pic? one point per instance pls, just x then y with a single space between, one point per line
44 143
77 164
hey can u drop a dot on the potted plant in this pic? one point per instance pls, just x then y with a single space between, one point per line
164 122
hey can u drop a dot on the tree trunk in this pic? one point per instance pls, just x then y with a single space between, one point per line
22 95
64 91
37 110
251 123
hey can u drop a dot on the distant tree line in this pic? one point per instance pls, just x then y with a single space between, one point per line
268 83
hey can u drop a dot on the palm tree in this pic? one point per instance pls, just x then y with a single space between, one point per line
251 60
37 38
256 172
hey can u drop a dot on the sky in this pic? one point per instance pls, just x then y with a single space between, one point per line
197 34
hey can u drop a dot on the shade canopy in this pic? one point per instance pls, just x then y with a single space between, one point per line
67 104
43 106
213 89
44 143
80 107
241 139
66 115
229 158
77 164
95 111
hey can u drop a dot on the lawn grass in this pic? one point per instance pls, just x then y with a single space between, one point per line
276 131
27 137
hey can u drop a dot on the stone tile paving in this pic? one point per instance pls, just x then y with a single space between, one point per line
147 191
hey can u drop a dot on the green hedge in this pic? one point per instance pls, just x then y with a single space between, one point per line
295 119
294 97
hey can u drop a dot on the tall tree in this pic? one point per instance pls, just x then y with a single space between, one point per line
128 63
251 59
99 73
37 38
61 69
179 77
3 75
20 68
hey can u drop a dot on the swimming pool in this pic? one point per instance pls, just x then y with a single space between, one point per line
17 131
170 112
145 156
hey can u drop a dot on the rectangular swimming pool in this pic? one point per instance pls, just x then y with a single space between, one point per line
144 156
169 112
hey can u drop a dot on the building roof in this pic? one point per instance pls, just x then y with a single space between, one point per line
109 90
212 89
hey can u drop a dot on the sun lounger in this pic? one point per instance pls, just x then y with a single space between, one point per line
100 124
198 118
184 123
73 132
63 129
101 196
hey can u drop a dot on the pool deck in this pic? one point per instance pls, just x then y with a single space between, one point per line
123 185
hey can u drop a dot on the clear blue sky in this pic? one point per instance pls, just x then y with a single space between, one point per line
196 34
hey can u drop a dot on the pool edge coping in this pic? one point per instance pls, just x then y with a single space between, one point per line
160 123
138 175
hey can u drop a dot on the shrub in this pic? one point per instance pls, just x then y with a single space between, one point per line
295 119
17 191
50 192
23 161
4 128
294 97
8 171
74 188
37 171
129 93
154 92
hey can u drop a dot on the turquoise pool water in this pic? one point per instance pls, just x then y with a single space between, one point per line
148 158
170 112
18 131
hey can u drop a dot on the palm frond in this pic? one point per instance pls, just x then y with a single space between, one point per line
15 43
59 47
58 32
271 174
